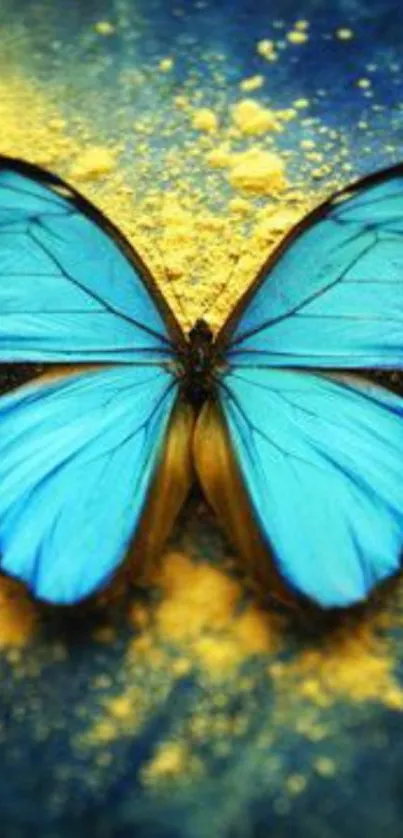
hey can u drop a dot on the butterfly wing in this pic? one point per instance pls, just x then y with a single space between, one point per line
71 288
77 457
321 461
332 296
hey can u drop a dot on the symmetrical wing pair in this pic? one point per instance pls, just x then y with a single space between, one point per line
300 455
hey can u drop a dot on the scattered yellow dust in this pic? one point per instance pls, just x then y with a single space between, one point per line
296 783
166 65
325 766
297 37
251 83
344 34
197 614
204 119
307 145
252 119
104 27
354 663
364 83
266 49
301 103
239 206
257 172
301 25
219 157
172 760
94 162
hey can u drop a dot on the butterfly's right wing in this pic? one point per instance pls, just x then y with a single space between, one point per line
320 460
78 456
71 287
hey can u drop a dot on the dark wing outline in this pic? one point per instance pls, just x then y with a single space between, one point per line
320 212
83 205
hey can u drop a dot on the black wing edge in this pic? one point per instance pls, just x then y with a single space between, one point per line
83 205
317 214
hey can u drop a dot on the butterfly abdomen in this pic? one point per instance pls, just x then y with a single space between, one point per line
199 363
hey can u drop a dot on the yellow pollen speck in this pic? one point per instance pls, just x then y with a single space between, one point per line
301 103
166 65
325 766
297 37
266 49
251 83
364 83
104 27
296 783
307 144
252 119
344 34
301 25
204 119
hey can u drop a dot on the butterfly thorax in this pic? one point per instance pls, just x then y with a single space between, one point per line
199 364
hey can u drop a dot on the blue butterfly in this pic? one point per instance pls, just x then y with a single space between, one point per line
299 453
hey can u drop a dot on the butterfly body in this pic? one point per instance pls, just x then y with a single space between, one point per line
296 449
199 365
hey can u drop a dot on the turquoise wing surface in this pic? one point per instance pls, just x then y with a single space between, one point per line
71 289
321 459
333 295
77 456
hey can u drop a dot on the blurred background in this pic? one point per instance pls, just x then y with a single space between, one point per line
186 709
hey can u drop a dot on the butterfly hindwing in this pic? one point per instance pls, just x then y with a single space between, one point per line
69 286
77 457
333 295
321 461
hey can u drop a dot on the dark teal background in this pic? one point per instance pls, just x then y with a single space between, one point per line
48 788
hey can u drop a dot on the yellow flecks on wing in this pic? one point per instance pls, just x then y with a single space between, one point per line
297 37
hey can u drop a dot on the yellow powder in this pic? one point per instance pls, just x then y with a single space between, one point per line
325 767
257 172
296 783
344 34
297 37
166 65
220 157
266 49
204 119
252 119
302 103
94 162
239 206
364 83
251 83
104 27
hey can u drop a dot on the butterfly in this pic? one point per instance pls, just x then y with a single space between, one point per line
296 449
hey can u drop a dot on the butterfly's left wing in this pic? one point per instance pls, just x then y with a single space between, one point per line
77 458
321 460
332 295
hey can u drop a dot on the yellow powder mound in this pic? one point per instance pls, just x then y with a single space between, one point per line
257 172
252 119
